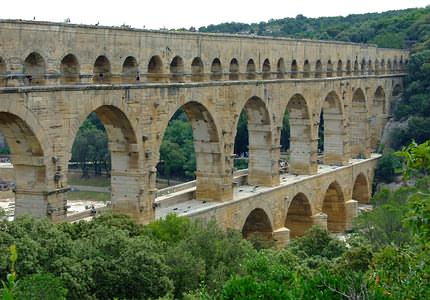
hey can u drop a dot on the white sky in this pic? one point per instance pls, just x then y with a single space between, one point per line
155 14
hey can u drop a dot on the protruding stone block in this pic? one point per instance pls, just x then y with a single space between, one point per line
351 208
320 220
281 237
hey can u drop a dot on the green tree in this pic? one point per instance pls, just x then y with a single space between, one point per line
41 286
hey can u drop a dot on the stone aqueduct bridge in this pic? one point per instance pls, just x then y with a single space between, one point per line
54 75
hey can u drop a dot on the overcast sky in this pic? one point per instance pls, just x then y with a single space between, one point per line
155 14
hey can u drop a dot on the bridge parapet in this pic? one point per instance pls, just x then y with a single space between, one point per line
44 53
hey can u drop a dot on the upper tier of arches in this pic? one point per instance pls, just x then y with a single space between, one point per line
157 68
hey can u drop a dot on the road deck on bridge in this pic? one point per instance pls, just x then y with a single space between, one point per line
194 207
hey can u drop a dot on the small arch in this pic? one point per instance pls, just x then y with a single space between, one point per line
401 64
266 69
233 70
294 69
69 69
379 101
339 69
102 70
250 69
348 67
155 69
34 68
197 71
382 66
280 68
3 72
363 66
334 208
397 90
299 216
306 69
356 72
257 225
329 68
377 67
389 67
177 69
318 69
361 191
395 66
130 70
369 67
216 69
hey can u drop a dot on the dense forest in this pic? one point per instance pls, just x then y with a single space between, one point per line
385 256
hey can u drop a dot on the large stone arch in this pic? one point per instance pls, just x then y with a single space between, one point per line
30 157
212 184
299 215
361 190
302 146
126 177
335 137
334 207
359 125
257 225
261 170
378 118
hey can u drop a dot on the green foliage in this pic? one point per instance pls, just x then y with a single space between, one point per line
384 224
90 148
416 159
387 167
391 29
9 287
317 243
241 141
4 151
177 154
41 286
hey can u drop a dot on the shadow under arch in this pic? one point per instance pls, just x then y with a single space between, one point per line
35 68
334 207
361 191
70 69
257 227
299 215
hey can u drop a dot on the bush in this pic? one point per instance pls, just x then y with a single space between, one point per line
40 286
